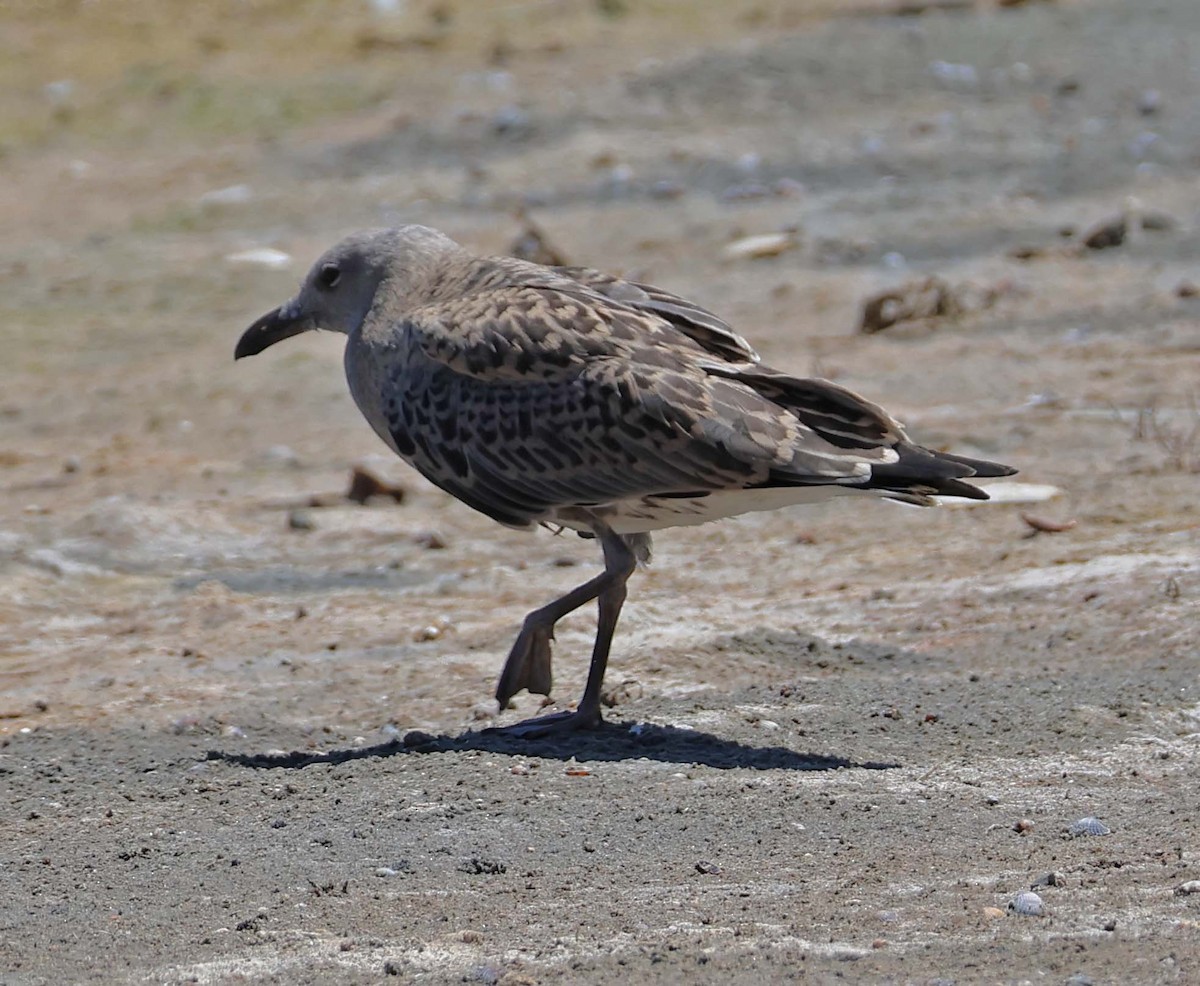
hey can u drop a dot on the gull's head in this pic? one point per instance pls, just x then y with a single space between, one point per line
337 293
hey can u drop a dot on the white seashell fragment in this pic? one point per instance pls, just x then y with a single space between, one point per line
1027 904
1088 826
1008 493
262 257
761 245
230 195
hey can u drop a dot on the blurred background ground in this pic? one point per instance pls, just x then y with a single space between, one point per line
859 730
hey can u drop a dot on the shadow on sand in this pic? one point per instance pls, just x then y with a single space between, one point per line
611 742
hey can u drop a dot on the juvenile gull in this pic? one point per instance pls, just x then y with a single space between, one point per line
566 397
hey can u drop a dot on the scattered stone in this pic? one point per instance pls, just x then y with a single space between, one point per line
1156 221
430 541
666 188
1190 887
300 520
1040 525
1024 826
476 866
434 631
955 74
281 455
59 92
1027 904
928 298
399 868
621 694
512 121
1054 878
1106 234
995 913
1150 102
1026 253
1087 826
1186 289
707 868
746 191
364 485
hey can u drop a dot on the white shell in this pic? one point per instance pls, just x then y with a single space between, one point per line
1088 826
262 257
1027 904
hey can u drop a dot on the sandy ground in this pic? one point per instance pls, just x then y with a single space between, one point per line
242 735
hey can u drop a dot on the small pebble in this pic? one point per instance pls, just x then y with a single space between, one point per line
1052 879
512 121
707 868
666 188
1106 234
1024 825
1027 904
434 631
59 92
1150 102
995 913
749 162
300 520
1156 221
1191 887
746 191
1088 826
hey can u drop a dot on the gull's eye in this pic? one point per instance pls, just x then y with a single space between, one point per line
328 276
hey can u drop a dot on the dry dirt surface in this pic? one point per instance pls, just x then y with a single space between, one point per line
243 733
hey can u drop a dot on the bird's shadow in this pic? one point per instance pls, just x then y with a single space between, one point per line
613 741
